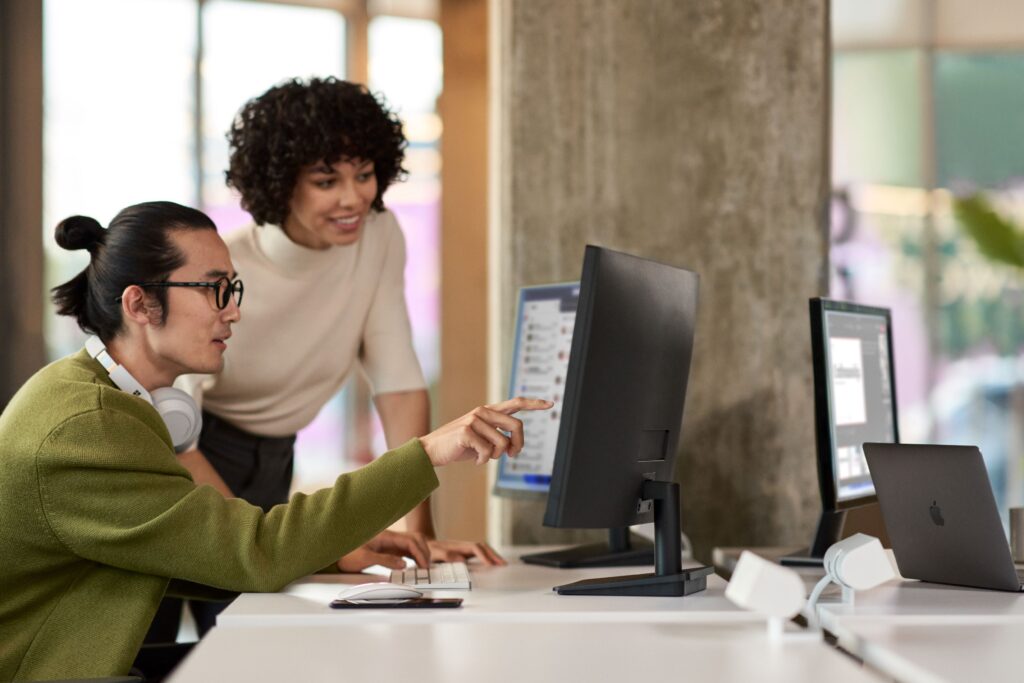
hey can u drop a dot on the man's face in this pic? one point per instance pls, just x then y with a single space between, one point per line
194 335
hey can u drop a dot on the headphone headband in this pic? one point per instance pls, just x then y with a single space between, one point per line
177 409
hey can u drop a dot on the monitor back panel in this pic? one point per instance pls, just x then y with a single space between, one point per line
941 515
626 388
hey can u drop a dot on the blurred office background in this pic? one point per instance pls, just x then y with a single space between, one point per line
920 99
928 104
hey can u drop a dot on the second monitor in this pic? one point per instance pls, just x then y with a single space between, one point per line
854 403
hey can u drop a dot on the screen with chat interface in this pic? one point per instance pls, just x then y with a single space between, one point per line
540 360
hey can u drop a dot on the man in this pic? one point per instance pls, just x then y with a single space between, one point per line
96 509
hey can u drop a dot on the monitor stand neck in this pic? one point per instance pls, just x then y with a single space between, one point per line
669 578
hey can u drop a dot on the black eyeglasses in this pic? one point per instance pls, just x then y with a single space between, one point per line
223 288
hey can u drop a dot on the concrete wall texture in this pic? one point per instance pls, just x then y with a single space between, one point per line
694 133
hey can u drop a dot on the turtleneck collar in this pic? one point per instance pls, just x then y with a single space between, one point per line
292 258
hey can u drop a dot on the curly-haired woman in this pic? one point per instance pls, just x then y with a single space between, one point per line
323 261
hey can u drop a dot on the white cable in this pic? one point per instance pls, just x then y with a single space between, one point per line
811 608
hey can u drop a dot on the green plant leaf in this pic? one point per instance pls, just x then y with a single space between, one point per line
997 238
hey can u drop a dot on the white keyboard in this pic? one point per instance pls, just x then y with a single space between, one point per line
440 576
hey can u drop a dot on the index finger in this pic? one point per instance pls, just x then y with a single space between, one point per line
514 405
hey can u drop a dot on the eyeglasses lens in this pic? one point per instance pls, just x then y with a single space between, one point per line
226 289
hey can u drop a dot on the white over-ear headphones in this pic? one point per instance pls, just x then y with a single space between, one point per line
178 410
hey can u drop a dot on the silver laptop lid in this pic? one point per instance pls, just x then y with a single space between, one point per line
941 516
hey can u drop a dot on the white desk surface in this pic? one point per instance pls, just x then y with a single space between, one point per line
513 652
928 653
925 632
916 602
516 593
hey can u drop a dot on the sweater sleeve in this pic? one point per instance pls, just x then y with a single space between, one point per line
112 492
386 352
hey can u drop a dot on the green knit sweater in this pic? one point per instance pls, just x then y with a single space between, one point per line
96 516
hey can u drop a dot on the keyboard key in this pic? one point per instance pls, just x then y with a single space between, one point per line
441 576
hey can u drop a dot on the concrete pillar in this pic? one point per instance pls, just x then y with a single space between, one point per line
694 133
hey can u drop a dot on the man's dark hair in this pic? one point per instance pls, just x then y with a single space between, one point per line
135 248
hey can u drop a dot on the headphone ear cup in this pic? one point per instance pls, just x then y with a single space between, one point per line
181 415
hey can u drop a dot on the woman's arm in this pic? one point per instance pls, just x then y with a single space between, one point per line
406 415
203 472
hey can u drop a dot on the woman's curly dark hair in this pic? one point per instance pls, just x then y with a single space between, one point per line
298 123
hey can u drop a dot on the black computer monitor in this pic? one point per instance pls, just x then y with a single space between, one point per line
545 320
854 403
622 413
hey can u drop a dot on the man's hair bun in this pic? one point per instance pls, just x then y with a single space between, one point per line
80 232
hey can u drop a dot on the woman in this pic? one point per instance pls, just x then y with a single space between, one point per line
94 503
324 261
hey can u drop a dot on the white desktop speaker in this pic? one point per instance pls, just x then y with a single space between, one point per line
765 587
858 562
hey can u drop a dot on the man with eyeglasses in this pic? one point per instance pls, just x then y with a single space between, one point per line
99 518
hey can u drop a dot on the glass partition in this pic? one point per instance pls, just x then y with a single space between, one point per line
913 126
118 101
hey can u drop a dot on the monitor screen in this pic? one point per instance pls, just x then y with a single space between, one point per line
543 338
861 395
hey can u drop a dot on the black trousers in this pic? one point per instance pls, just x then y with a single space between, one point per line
155 662
257 469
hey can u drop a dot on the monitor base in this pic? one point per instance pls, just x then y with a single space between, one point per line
622 550
801 558
669 578
686 582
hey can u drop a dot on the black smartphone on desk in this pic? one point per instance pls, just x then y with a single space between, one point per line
405 603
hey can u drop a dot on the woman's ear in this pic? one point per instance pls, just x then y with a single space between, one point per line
139 307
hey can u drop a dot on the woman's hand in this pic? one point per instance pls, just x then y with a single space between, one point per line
482 434
388 548
462 551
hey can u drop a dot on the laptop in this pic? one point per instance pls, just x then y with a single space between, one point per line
941 516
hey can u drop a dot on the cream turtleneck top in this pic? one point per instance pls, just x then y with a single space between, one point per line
308 317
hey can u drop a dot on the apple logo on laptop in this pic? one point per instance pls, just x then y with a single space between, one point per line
936 512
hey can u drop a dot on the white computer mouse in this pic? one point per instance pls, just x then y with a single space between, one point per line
379 590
